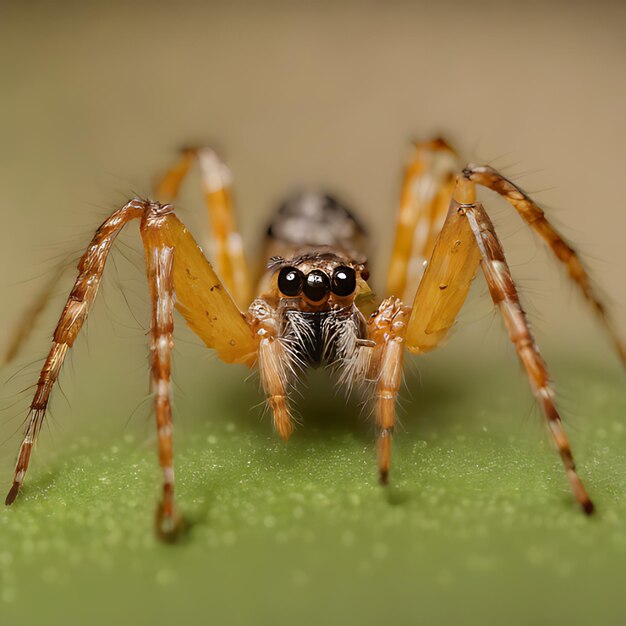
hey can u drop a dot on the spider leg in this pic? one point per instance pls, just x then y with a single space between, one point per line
90 268
159 262
445 284
505 296
387 327
226 242
467 240
534 216
200 297
29 316
426 190
452 266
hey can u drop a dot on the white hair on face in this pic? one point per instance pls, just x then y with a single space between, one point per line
337 338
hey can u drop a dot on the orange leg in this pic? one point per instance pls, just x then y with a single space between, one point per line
534 216
226 242
90 268
29 317
426 190
467 240
159 262
445 285
505 296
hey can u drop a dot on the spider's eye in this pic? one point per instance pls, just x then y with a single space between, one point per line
343 281
290 281
317 286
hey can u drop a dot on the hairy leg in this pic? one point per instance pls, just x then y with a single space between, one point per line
225 239
159 262
29 316
534 216
467 240
505 296
90 269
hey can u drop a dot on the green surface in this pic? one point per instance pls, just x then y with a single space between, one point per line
478 526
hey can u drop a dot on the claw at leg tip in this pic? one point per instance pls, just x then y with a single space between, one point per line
12 494
588 507
169 528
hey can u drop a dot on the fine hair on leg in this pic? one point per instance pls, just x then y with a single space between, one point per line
506 298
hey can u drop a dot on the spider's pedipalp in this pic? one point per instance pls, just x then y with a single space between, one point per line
278 362
275 377
534 216
387 328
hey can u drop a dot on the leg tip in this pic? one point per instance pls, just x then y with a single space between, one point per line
169 527
384 477
10 499
588 507
285 430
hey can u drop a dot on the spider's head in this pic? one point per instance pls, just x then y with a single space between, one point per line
319 280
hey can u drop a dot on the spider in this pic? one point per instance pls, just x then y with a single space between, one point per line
315 305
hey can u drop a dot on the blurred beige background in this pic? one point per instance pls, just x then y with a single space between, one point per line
97 97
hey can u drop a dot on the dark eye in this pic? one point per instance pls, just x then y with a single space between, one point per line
290 281
317 286
344 281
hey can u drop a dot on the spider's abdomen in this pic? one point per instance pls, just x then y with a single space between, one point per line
314 220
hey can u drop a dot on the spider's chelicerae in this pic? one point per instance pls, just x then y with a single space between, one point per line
314 305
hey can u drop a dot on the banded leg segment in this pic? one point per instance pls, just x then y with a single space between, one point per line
159 262
468 239
29 316
387 328
506 298
534 216
81 298
426 191
225 238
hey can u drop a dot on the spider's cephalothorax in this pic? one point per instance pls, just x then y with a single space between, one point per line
313 290
314 303
309 296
